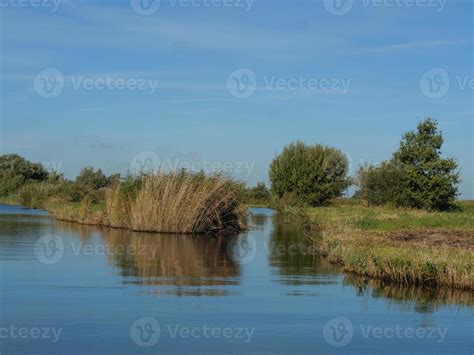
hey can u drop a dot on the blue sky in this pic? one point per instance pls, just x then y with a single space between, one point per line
226 84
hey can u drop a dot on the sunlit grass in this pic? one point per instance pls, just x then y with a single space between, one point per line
356 216
369 241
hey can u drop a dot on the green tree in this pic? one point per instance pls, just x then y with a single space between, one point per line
15 171
15 165
309 174
416 176
258 193
91 179
429 181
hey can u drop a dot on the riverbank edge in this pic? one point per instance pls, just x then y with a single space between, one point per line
365 254
82 213
375 256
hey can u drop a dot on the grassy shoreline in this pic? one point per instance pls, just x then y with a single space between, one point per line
178 203
411 247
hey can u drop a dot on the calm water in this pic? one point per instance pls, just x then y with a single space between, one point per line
66 288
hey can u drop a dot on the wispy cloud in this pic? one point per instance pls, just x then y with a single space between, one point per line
410 46
119 28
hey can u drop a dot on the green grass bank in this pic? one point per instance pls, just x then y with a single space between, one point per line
412 247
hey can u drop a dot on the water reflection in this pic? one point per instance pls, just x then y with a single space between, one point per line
410 298
295 257
275 252
174 264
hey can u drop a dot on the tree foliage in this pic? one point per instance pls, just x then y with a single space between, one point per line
417 176
91 179
309 174
16 171
258 193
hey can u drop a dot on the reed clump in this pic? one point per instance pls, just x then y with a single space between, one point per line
177 202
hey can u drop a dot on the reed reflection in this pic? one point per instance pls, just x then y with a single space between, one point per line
177 264
411 298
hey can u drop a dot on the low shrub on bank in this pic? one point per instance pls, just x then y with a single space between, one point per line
177 202
258 195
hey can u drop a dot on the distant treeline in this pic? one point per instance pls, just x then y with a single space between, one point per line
416 176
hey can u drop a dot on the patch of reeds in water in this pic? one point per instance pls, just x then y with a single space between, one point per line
177 202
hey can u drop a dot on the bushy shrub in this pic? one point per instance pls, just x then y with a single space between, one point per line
380 184
16 171
416 176
257 194
91 179
312 175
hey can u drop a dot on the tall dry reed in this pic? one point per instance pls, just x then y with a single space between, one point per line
178 202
